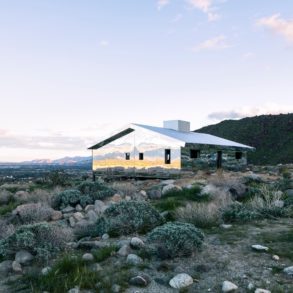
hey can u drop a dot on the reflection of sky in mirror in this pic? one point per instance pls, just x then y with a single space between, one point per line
73 71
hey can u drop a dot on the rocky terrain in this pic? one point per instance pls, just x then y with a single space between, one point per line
205 232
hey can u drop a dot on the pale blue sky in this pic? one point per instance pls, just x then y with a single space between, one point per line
72 71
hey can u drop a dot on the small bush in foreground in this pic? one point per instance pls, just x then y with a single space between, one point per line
192 194
41 239
71 271
85 229
128 217
176 238
104 252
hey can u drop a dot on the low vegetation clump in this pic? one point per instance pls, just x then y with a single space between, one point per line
42 240
95 190
103 253
176 239
128 217
71 271
95 229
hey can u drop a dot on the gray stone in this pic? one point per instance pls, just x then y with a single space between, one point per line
136 243
67 216
259 290
116 288
46 270
23 257
127 197
181 281
134 259
170 187
71 222
279 203
88 257
68 209
141 280
105 236
96 267
168 182
289 270
116 197
5 267
289 192
89 207
78 216
154 193
124 250
275 257
92 216
78 208
16 267
250 286
228 286
100 206
259 247
74 290
56 215
226 226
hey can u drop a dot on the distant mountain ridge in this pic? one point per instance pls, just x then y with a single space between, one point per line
271 135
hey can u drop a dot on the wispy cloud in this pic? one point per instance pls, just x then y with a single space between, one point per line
278 25
162 3
206 7
269 108
248 55
216 43
177 18
104 43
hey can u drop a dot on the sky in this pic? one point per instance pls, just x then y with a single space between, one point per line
72 71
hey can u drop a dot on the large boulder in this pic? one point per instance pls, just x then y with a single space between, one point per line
228 286
170 187
5 267
133 259
23 257
181 281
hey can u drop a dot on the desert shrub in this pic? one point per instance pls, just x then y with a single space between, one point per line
128 217
71 197
71 271
41 239
126 188
288 201
85 229
203 215
239 212
34 212
8 208
176 238
58 178
192 194
95 190
103 253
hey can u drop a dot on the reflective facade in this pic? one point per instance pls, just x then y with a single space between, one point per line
140 150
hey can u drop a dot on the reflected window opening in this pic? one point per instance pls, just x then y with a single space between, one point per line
167 156
140 156
194 154
127 156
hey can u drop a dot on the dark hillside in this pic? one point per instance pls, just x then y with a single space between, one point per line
271 135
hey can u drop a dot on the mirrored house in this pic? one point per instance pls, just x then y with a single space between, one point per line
173 148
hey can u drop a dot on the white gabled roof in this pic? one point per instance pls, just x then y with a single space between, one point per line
194 137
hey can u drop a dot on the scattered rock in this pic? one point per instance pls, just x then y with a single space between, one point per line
124 250
275 257
226 226
92 216
170 187
116 197
16 267
89 207
141 280
250 286
289 270
259 290
96 267
46 270
279 203
5 267
68 209
127 197
99 206
78 208
136 243
168 182
143 193
105 236
181 281
78 216
88 257
289 192
23 257
154 193
229 286
116 288
259 247
134 259
56 215
71 222
74 290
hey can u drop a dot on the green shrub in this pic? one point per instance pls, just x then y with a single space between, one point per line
239 212
71 197
95 190
98 228
8 208
128 217
58 178
71 271
192 194
176 238
104 252
41 239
